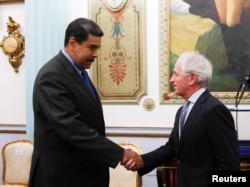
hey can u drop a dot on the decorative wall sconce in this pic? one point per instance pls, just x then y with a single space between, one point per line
13 45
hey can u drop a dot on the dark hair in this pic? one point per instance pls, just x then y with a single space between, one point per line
80 29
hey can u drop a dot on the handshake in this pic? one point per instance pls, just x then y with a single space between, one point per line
132 160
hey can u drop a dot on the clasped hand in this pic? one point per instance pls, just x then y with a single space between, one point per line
132 160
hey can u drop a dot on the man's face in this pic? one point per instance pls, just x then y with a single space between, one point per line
85 53
180 81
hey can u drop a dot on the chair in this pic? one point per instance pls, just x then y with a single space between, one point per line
120 176
16 157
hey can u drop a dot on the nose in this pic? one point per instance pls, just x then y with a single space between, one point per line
95 53
172 78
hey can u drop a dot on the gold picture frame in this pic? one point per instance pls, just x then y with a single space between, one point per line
167 95
119 72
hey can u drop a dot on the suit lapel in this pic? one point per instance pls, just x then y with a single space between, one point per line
192 116
70 69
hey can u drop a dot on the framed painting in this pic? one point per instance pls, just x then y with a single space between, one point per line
219 30
119 71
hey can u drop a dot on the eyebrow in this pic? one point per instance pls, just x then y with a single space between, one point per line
94 46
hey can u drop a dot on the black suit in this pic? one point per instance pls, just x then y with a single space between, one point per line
70 144
208 142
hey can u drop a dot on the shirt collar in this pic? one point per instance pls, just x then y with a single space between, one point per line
71 61
196 95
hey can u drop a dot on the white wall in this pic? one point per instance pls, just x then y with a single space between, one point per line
12 93
134 115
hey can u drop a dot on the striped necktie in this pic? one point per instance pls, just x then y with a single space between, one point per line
184 114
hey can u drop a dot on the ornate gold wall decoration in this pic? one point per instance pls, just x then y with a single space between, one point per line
13 44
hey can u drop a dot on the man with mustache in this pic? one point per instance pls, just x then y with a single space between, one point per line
70 147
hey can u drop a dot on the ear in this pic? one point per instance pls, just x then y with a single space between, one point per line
72 43
193 79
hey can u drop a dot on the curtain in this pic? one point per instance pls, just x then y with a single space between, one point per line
44 36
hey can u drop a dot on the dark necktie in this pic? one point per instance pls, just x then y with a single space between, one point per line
183 114
86 80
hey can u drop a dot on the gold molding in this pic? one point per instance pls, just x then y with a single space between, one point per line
6 1
109 134
161 131
164 52
12 131
141 135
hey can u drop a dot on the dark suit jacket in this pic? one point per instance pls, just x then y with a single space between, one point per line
208 142
70 148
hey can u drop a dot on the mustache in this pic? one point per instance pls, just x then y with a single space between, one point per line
90 60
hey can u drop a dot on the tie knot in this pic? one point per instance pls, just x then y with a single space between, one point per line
86 80
186 103
84 72
185 106
184 113
84 75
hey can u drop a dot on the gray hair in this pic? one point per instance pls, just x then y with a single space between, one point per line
194 62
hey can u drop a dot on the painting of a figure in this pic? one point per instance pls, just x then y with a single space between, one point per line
220 30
